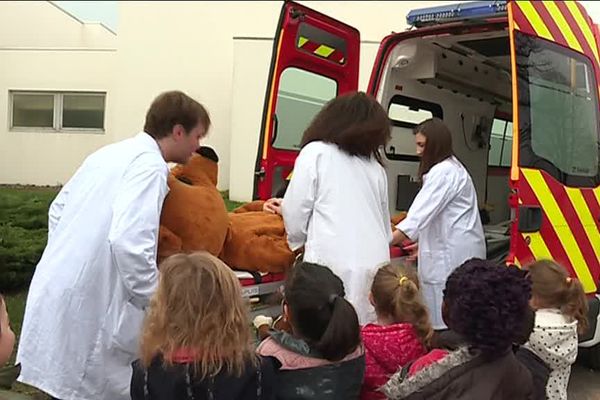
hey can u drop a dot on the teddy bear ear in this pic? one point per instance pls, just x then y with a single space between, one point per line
208 152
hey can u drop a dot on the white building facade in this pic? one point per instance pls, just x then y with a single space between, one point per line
68 88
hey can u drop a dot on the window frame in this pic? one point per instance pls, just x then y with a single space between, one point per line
528 158
435 109
58 108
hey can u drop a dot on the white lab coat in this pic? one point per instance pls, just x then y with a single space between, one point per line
336 207
444 219
85 304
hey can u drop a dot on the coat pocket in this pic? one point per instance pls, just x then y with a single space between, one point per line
127 332
434 267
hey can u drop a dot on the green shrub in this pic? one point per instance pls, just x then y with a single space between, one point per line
23 233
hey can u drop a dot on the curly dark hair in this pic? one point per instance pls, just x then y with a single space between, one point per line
487 304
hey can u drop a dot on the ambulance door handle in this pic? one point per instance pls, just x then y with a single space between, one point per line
275 128
530 219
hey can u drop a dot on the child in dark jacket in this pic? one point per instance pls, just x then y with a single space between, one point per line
486 304
196 342
322 359
402 331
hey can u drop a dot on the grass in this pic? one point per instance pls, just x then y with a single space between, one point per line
23 235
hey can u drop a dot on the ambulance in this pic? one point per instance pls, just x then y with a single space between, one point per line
516 82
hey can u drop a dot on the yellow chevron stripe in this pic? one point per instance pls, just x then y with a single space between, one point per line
516 25
517 263
558 221
324 51
563 25
302 41
583 25
586 218
538 246
597 193
535 20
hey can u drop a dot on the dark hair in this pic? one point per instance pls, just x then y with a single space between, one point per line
438 146
487 304
355 122
172 108
556 289
395 292
319 313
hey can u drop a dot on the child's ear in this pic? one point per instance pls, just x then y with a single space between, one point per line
371 299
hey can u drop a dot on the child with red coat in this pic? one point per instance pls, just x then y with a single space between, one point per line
402 332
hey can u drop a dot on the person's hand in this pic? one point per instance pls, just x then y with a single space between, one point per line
412 250
273 206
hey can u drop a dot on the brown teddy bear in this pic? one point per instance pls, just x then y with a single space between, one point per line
194 217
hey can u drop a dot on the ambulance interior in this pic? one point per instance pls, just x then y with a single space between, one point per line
466 81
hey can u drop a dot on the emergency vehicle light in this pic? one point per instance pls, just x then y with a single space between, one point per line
456 12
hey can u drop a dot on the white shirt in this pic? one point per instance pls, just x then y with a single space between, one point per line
444 219
554 340
336 207
85 305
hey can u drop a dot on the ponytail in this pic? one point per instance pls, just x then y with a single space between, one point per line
319 313
576 305
408 307
396 295
554 288
342 334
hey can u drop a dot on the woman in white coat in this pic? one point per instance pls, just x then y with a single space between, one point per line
336 205
444 218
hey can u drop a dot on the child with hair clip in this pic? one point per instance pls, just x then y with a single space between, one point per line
402 332
196 343
561 309
323 357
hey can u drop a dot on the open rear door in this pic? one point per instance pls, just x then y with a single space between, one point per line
315 58
555 173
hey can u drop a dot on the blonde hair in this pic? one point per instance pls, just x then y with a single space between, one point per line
552 287
396 295
198 307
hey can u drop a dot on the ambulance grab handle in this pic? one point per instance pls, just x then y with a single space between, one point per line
275 128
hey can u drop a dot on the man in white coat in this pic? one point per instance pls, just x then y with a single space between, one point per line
87 298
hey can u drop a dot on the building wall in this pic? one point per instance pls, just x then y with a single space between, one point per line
42 48
190 46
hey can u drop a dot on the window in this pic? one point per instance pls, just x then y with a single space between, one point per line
57 111
406 113
558 111
301 96
500 154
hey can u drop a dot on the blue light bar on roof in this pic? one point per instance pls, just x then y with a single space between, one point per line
456 12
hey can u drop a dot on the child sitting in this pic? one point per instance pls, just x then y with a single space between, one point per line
196 341
561 309
486 305
323 358
402 331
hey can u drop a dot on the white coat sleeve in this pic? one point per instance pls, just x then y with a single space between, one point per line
299 199
438 190
56 209
133 233
385 207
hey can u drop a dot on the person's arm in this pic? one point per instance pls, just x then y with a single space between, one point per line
438 190
134 229
298 203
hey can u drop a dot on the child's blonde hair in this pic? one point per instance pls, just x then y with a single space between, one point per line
396 295
198 307
552 287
